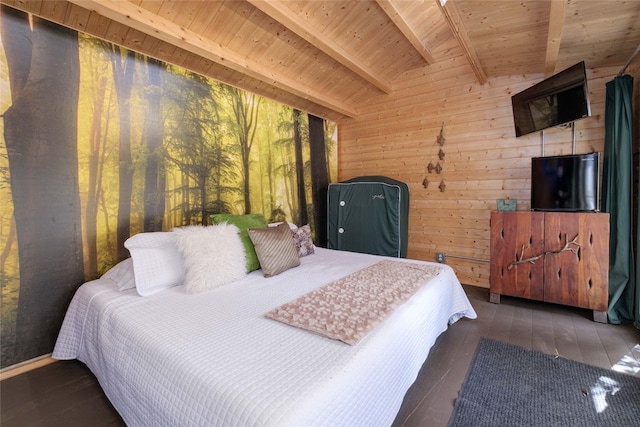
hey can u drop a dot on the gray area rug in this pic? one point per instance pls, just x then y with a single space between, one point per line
507 385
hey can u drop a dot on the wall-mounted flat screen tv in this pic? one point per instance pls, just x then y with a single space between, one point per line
565 183
559 99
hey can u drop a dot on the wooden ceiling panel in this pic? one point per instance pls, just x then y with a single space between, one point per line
323 15
117 33
152 6
180 13
490 25
425 18
151 46
227 23
135 40
56 10
582 41
77 17
204 19
411 32
289 54
362 24
96 25
331 57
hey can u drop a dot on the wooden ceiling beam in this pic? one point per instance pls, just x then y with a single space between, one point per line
390 8
452 16
127 13
281 13
554 35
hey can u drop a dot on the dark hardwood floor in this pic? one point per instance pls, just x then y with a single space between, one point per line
553 329
67 394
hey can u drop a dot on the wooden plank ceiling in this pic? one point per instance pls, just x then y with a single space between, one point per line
329 57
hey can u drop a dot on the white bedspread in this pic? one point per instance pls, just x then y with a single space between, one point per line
173 359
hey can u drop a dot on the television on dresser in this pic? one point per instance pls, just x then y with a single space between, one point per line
568 183
556 100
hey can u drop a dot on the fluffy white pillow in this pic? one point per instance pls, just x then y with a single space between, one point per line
213 255
157 262
122 275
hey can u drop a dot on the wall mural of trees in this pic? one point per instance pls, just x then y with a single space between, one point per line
100 143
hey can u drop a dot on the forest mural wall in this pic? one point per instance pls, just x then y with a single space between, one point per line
100 143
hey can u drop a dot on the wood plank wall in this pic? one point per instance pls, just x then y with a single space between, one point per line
484 161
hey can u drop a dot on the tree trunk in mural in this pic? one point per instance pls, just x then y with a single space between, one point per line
319 178
6 251
94 187
221 171
270 176
303 217
123 69
40 130
288 172
200 170
154 177
245 110
16 37
194 144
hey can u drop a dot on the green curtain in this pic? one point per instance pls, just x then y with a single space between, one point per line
617 191
637 287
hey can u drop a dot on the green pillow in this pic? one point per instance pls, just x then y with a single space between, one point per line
244 222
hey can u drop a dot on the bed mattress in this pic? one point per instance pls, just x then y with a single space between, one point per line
178 359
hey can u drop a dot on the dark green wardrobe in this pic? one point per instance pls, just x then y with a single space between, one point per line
368 214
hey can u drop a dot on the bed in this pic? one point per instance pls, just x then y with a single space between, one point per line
175 359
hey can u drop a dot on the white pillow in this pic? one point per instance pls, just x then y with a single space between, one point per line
157 262
122 275
213 255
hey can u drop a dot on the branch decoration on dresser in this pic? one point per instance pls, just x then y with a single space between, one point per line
572 246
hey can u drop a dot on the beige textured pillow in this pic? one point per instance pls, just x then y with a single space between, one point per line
276 249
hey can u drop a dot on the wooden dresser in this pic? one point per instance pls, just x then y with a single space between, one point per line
557 257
